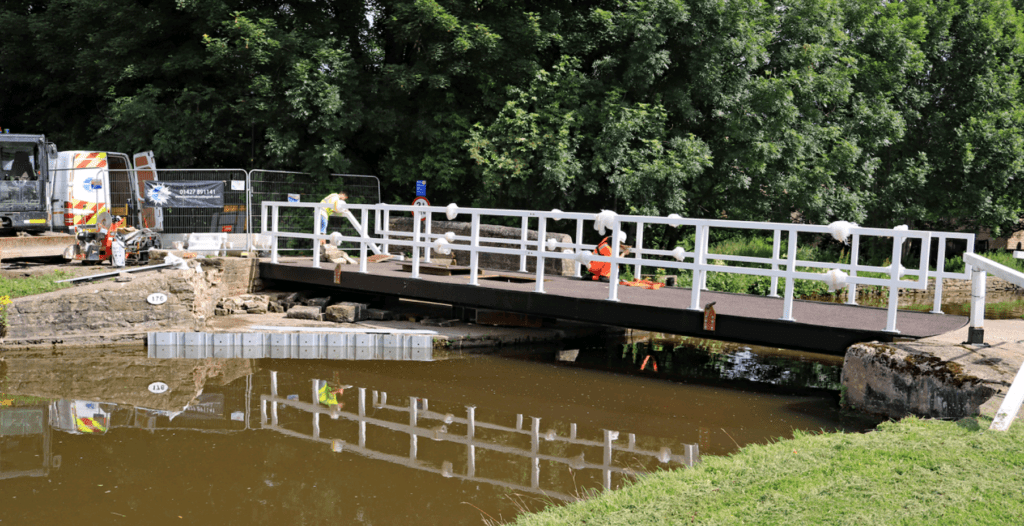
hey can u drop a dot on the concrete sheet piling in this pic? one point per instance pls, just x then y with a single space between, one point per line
302 346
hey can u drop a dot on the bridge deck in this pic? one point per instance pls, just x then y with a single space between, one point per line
819 327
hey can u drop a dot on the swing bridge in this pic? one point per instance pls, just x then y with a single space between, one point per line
776 319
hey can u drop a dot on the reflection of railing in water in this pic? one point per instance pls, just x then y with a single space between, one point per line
418 409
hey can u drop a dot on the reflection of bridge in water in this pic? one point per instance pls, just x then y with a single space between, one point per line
419 413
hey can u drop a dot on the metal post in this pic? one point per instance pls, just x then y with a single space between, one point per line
316 232
609 437
851 291
474 245
542 232
787 301
940 268
273 394
316 414
776 241
698 258
387 228
362 415
248 210
412 423
522 243
579 246
365 239
704 259
638 243
976 331
429 221
470 435
273 226
534 449
1011 404
415 245
894 282
691 455
613 280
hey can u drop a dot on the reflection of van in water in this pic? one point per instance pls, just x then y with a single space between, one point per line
80 417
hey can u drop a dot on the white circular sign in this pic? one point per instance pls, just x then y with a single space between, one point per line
420 201
157 298
158 388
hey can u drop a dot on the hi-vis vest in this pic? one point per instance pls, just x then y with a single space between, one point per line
325 395
601 268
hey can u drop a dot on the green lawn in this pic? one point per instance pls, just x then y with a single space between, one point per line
908 472
29 285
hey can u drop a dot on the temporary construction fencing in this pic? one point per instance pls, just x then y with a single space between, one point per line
122 193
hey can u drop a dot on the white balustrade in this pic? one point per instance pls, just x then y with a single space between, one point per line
696 260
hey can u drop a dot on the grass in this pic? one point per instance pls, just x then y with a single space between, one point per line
29 285
21 400
908 472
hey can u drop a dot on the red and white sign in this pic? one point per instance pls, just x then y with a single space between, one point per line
421 201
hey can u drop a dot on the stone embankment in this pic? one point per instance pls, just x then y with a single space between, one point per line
938 377
226 295
117 310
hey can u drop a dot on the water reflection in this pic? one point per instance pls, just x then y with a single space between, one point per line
24 442
435 426
367 442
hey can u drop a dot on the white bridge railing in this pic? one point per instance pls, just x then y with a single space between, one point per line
697 259
976 333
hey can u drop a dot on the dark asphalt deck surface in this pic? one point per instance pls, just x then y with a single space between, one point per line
911 324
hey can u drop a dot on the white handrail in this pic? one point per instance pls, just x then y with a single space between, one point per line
696 259
976 333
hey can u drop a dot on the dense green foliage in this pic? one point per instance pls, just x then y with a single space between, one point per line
907 472
876 112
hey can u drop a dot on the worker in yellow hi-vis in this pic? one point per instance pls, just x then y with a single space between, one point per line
328 396
327 211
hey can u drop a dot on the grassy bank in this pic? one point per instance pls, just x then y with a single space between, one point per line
29 285
908 472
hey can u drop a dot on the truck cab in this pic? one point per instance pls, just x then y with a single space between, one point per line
25 162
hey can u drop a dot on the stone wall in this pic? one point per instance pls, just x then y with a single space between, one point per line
100 310
897 381
563 267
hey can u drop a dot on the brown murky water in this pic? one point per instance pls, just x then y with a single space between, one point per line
449 442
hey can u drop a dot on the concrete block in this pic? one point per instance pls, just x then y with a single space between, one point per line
346 312
303 312
379 314
318 302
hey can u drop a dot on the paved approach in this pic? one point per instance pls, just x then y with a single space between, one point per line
819 327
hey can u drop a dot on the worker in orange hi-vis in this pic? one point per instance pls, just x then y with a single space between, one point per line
602 270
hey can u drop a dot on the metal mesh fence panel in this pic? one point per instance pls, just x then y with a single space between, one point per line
361 189
232 218
123 201
277 185
270 185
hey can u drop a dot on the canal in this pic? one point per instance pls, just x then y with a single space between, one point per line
452 441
